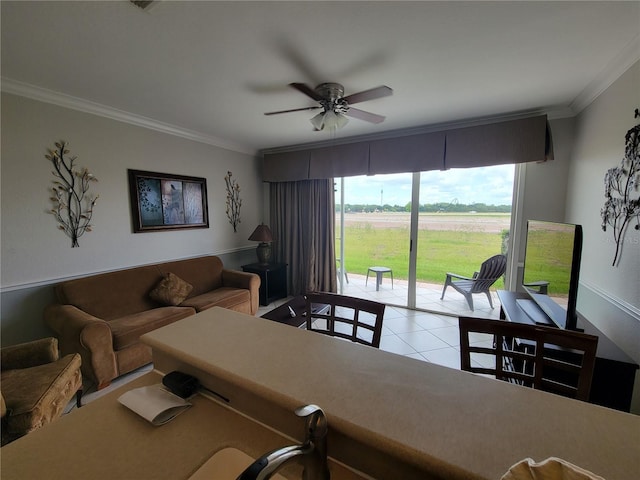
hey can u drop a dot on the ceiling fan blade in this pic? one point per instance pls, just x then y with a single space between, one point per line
366 116
307 90
293 110
378 92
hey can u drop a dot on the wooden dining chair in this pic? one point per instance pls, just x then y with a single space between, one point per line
545 358
351 318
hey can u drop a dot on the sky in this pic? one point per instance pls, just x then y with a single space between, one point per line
489 185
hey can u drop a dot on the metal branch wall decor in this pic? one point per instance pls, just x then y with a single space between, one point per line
233 201
621 186
72 204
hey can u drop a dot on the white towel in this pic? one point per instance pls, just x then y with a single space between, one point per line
154 403
549 469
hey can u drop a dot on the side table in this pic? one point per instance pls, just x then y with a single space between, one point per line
379 271
273 280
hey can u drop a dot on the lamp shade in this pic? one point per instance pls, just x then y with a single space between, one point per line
261 234
329 120
318 121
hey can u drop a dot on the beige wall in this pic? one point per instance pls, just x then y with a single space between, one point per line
33 250
599 145
545 183
608 296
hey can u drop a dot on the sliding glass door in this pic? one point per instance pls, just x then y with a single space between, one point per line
421 226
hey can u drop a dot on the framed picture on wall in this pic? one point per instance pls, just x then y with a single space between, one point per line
161 201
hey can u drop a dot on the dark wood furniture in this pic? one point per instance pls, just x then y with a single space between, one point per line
273 280
282 314
526 355
350 318
614 372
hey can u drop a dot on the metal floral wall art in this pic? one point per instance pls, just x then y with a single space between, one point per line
233 201
621 184
72 204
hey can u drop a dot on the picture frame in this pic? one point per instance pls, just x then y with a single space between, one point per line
162 201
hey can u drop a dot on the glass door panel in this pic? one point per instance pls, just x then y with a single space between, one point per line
464 219
376 233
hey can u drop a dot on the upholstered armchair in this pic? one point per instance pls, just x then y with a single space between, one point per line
36 386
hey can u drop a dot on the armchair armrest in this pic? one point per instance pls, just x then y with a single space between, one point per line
79 332
250 281
30 354
461 277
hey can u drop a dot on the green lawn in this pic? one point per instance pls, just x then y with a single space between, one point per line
438 251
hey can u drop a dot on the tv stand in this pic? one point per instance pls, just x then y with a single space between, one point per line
534 312
615 371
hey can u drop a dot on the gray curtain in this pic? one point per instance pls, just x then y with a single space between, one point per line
303 228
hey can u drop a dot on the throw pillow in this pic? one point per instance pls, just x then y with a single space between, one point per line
171 290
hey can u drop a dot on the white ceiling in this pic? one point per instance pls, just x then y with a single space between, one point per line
210 69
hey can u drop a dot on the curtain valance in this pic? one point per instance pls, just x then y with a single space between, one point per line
512 141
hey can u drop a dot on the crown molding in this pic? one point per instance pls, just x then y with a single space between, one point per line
609 74
75 103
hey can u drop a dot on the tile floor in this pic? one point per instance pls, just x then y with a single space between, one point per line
431 337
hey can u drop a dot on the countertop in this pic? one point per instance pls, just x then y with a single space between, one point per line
442 422
106 441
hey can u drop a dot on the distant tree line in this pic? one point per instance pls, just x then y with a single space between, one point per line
428 208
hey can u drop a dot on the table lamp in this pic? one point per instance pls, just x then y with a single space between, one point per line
262 234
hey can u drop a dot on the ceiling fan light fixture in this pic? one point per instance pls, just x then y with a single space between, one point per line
329 120
335 106
341 120
318 121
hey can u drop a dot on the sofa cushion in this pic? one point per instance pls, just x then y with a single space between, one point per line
221 297
204 273
127 330
112 295
171 290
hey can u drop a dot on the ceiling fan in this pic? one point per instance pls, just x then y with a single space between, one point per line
335 106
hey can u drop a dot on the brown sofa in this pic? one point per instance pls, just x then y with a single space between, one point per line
102 317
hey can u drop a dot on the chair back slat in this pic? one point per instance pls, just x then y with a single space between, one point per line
545 358
351 318
490 271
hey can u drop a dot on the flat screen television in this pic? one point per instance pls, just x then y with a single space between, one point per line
551 270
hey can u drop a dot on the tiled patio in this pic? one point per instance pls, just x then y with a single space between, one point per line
427 296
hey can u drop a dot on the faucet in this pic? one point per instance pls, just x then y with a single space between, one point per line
312 453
